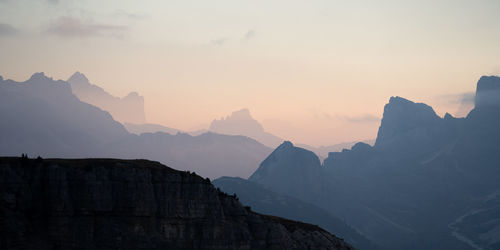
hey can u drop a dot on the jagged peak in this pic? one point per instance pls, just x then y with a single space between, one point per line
242 114
133 95
78 77
40 76
285 145
402 104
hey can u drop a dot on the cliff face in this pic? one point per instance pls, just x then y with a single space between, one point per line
133 204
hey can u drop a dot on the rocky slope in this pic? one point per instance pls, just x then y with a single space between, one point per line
133 204
268 202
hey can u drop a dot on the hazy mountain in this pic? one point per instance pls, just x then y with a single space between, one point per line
322 151
242 123
43 117
265 201
129 109
149 128
427 183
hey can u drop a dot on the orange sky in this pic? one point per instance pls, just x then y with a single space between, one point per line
315 72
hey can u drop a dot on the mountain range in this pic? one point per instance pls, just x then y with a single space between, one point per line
427 183
42 116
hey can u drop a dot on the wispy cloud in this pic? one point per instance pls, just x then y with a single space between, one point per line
7 30
71 27
219 42
461 98
366 118
363 118
128 15
250 34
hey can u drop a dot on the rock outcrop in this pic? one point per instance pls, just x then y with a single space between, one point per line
488 92
292 170
133 204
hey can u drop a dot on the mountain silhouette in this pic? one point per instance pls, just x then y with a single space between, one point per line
134 204
43 117
149 128
128 109
242 123
427 183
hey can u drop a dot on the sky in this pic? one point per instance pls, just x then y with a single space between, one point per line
314 72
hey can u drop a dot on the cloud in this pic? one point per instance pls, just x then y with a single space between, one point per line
128 15
70 27
7 30
53 1
363 118
366 118
461 98
219 42
249 35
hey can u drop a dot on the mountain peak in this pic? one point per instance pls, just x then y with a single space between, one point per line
488 91
39 76
285 145
78 77
402 116
242 114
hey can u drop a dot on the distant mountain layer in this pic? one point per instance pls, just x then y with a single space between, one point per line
427 183
242 123
149 128
43 117
128 109
267 202
119 204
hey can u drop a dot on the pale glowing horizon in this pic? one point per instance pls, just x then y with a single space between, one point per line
313 72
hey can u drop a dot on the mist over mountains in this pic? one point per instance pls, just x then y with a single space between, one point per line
43 117
428 182
129 109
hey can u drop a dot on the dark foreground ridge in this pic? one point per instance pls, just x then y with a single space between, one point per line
133 204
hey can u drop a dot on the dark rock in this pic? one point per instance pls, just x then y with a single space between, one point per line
133 204
289 169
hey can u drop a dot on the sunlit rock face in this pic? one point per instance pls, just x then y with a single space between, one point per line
139 204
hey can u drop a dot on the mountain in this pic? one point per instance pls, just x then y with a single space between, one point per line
43 117
149 128
242 123
128 109
289 169
322 151
429 182
120 204
265 201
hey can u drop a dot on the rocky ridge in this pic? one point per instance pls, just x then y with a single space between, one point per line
133 204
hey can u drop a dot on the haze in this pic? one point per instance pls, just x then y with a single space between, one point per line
315 72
